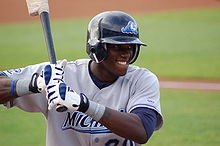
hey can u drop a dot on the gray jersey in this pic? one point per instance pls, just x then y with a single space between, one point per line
138 88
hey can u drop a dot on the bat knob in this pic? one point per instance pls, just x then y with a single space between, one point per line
61 109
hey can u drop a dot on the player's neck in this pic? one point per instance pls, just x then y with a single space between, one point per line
100 73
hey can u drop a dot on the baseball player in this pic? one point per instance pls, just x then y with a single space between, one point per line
99 101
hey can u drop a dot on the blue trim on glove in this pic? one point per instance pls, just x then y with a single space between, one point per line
62 90
12 88
47 74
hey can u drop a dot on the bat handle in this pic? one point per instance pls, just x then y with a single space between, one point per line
61 108
45 21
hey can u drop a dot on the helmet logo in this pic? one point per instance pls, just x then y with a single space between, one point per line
130 28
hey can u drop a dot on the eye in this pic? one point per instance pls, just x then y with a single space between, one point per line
113 46
130 46
116 46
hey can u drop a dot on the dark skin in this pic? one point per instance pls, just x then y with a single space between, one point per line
115 65
5 94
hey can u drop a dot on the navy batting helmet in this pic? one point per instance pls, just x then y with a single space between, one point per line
112 27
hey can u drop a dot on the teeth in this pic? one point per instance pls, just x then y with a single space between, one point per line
122 63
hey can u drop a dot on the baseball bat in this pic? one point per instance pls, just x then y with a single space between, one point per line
45 21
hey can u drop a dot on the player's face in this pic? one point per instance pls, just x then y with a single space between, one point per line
117 61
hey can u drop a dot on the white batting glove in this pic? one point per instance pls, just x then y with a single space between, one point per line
59 94
52 73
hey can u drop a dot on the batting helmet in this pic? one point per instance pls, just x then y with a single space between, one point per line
112 27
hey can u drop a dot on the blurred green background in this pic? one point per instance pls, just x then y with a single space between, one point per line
181 45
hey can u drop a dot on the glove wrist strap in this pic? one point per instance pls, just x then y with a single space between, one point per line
33 83
84 103
92 109
95 110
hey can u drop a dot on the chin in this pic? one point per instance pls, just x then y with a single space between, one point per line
122 73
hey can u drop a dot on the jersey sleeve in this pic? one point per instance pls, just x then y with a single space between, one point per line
32 102
145 93
148 118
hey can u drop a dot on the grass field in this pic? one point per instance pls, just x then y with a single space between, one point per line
181 45
191 119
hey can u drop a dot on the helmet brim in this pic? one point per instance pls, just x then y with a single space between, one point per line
122 40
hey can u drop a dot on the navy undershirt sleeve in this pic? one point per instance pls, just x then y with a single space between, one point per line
148 118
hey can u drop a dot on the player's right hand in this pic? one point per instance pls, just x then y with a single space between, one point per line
61 95
52 73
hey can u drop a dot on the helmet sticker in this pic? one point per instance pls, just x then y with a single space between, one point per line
130 28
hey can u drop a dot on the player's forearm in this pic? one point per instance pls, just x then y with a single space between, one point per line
5 87
11 89
126 125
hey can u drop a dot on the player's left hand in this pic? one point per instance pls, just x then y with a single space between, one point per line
52 73
59 94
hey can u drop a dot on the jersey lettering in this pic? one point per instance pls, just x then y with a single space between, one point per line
17 71
11 72
81 122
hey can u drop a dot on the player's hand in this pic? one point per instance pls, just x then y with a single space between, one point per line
52 73
59 94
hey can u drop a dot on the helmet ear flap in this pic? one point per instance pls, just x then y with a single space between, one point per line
135 55
98 52
93 55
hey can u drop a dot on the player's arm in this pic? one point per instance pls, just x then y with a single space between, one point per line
137 125
5 89
11 89
127 125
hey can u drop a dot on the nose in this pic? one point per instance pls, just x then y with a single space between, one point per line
126 53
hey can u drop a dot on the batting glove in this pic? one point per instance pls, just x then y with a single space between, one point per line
52 73
59 94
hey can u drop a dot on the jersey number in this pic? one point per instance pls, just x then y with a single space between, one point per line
115 142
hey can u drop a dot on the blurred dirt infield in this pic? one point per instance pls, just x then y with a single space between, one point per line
198 85
12 11
16 10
